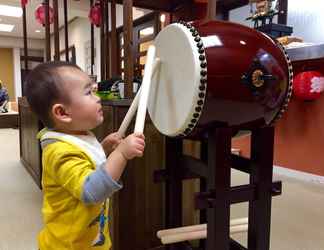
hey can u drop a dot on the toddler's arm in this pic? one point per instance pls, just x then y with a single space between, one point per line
132 146
103 182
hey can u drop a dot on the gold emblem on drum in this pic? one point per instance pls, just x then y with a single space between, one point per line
257 80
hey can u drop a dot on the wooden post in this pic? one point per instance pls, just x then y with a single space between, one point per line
25 37
114 62
128 47
47 32
106 17
56 31
66 29
262 142
283 12
173 186
219 180
25 45
102 44
203 187
92 42
211 10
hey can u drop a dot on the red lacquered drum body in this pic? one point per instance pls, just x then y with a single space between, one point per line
232 98
245 77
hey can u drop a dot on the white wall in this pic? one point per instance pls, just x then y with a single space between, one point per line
306 18
16 42
17 72
240 14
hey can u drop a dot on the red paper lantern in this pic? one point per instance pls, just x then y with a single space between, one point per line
40 14
24 2
303 85
95 14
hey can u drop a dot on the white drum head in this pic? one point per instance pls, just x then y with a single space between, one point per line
175 101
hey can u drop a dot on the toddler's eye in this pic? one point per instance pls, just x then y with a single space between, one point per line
94 88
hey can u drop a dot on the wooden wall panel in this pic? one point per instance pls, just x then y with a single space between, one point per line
137 209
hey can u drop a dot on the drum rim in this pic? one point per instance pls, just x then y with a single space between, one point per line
202 89
194 114
285 103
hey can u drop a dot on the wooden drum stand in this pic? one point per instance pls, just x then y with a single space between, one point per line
216 194
214 171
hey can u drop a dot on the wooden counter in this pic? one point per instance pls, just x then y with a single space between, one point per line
30 151
9 120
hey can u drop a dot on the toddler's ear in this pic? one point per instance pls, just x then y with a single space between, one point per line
60 114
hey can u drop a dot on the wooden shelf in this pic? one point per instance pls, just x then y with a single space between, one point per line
313 52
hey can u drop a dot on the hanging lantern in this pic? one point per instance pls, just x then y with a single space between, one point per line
40 14
95 14
24 2
308 85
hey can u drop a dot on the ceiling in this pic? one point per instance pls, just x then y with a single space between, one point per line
75 9
80 8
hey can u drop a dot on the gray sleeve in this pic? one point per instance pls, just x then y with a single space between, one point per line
99 186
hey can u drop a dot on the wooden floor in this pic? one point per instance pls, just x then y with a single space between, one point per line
9 120
297 215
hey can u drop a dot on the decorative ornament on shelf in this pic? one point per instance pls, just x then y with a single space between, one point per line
264 10
95 14
40 14
308 85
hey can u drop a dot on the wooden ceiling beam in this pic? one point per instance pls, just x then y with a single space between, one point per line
158 5
172 5
226 5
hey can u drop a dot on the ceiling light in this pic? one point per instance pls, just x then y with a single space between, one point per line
6 10
6 27
37 31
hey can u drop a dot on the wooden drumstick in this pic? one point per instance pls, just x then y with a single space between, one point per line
197 235
163 233
132 109
129 115
142 106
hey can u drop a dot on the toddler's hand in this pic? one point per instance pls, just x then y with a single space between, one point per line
111 142
132 146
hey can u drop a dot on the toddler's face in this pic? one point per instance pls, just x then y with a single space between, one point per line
84 106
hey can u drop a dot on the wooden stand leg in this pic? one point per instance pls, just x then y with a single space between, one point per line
203 187
261 176
173 187
219 180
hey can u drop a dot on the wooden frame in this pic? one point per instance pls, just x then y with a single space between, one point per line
71 53
151 19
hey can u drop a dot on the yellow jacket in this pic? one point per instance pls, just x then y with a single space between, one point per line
69 223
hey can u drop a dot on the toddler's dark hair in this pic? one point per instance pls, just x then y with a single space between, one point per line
43 87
